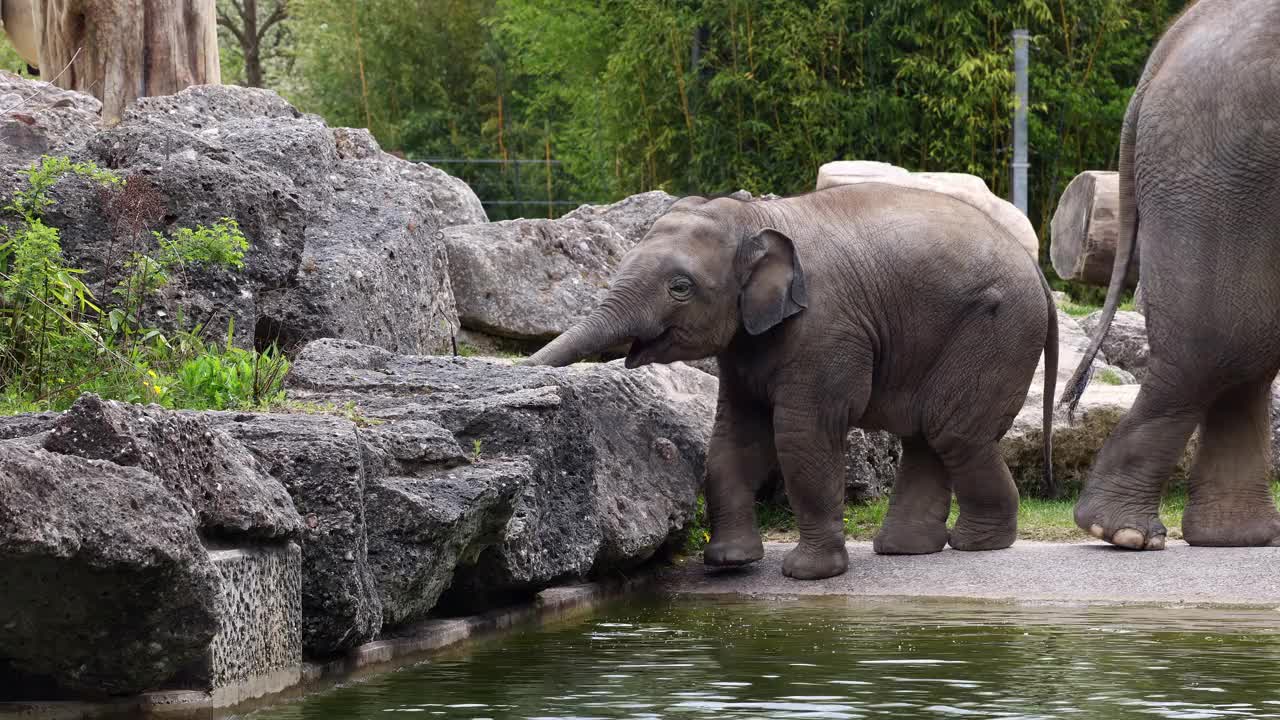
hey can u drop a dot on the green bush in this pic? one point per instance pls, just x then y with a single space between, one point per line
57 339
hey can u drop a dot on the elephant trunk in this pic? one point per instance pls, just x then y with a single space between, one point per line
602 329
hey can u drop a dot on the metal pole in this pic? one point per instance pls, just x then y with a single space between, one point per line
1020 164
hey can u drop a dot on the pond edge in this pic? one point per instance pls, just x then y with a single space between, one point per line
410 644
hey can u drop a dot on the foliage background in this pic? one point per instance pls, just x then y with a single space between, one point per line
708 96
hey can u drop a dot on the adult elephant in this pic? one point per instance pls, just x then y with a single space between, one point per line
869 305
1200 194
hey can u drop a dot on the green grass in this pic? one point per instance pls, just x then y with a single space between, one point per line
1109 377
1076 309
1080 309
501 351
1038 519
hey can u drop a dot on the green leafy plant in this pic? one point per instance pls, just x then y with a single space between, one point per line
476 447
230 378
57 339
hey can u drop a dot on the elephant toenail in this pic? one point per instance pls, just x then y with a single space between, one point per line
1156 543
1128 537
1096 531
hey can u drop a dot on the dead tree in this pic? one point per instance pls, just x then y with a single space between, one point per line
126 49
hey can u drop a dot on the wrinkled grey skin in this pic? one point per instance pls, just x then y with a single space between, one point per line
1199 162
867 305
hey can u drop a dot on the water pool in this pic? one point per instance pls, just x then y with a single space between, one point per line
816 658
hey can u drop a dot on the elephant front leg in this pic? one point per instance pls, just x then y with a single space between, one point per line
811 452
740 459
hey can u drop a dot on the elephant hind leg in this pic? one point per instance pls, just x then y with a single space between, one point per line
1230 501
1120 502
916 523
987 496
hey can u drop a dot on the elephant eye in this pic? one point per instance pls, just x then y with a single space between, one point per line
680 287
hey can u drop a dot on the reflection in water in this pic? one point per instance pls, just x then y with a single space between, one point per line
698 658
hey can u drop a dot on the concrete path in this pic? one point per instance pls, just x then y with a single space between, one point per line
1028 571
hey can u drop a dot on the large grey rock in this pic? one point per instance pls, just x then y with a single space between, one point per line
870 465
531 279
1275 429
962 186
320 461
422 528
109 588
1073 341
871 462
27 424
39 118
344 238
226 488
616 456
1126 342
631 217
374 267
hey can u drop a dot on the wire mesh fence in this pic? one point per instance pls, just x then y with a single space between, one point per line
514 188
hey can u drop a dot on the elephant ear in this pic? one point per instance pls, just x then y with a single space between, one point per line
772 280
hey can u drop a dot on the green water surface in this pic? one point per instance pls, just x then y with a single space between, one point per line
697 658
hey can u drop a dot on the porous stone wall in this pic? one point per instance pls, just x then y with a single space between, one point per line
258 646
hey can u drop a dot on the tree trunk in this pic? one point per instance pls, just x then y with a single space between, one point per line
252 47
128 48
1084 230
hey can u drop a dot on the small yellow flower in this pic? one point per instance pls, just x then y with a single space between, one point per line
152 373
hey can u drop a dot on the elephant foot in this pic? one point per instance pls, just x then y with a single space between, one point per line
1209 526
806 562
1133 524
733 552
975 535
910 538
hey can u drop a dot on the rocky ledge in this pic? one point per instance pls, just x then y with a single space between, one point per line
466 482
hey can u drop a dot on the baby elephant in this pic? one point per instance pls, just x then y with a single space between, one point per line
866 305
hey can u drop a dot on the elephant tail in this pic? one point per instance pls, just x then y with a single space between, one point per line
1050 385
1124 256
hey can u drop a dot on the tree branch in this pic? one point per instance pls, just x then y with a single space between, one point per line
279 14
225 21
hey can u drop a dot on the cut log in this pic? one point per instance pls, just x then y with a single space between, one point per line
1085 228
127 48
963 186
